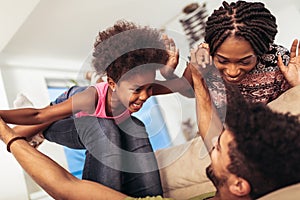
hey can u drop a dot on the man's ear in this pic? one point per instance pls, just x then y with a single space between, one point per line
240 187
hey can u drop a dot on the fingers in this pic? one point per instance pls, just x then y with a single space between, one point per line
200 56
204 45
294 48
169 43
280 64
193 56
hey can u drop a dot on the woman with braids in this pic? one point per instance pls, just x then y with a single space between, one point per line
239 37
119 154
239 49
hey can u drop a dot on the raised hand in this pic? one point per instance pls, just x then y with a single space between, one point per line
201 60
208 120
292 71
168 70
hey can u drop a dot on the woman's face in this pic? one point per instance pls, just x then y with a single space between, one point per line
234 59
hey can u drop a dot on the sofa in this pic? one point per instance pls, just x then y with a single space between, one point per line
182 168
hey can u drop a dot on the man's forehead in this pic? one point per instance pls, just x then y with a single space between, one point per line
226 136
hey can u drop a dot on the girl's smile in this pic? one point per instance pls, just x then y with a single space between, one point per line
132 91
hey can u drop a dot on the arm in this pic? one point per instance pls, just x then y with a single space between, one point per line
54 179
30 131
180 85
31 116
292 71
209 123
173 83
183 85
83 101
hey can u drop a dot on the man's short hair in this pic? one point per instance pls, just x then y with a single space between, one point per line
266 147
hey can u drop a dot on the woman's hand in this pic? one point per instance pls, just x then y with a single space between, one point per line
198 67
292 71
201 63
168 70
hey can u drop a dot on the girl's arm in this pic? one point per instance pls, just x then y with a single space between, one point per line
54 179
83 101
182 85
29 116
173 83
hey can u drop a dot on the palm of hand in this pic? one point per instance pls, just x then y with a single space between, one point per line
173 60
292 72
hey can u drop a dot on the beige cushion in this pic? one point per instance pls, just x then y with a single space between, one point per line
182 170
287 102
287 193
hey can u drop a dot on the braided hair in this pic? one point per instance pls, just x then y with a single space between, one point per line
126 46
249 20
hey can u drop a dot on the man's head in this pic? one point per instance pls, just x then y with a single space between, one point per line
258 151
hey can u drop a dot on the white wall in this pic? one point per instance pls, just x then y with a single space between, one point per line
31 82
10 171
17 12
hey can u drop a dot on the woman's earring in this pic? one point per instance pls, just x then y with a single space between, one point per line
114 89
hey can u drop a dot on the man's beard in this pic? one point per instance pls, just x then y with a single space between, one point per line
217 181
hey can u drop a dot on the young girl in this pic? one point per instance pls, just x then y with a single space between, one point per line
129 55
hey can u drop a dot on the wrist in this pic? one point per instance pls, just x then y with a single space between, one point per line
170 76
168 72
13 140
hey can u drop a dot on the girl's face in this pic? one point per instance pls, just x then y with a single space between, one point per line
234 59
135 89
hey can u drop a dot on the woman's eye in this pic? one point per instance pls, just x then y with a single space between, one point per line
244 62
223 61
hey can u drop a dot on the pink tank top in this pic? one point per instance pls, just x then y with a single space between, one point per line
100 109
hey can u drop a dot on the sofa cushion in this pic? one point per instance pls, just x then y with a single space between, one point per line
287 193
289 101
183 170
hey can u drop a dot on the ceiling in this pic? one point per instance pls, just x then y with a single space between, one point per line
56 34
